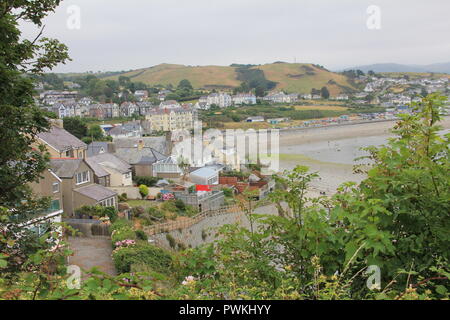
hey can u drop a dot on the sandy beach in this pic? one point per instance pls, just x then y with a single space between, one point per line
331 151
295 136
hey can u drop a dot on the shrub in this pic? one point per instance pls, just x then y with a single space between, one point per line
180 205
148 181
143 190
110 212
227 192
172 241
137 211
98 211
141 235
120 223
155 213
122 230
142 254
123 197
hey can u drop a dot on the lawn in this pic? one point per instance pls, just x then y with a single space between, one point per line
321 107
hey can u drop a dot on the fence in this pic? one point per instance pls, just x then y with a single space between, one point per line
186 223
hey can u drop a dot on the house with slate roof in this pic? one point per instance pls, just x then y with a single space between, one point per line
62 144
78 187
114 169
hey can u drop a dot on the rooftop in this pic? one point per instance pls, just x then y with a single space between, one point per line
61 139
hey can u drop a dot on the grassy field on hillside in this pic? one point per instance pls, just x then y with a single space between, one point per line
302 78
290 77
200 77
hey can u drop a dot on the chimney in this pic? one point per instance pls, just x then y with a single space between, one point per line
111 147
141 144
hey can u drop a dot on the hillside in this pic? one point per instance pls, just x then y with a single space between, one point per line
290 77
302 78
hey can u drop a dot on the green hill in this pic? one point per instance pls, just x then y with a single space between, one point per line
290 77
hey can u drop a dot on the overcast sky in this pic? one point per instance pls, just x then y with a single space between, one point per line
121 35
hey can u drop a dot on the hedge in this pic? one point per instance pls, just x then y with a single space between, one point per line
142 254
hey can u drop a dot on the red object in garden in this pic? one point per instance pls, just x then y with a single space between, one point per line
200 187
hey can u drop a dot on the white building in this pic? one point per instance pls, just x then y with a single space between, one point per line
244 98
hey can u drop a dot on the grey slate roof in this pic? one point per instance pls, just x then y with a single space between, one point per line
96 192
108 160
65 168
60 139
96 147
135 156
97 168
157 143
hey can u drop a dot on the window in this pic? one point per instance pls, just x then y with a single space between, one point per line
82 177
108 202
127 175
55 187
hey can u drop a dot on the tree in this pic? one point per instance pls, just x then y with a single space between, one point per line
20 119
96 132
143 190
184 166
259 91
75 126
21 159
324 93
185 84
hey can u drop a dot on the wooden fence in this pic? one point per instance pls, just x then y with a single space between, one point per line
186 223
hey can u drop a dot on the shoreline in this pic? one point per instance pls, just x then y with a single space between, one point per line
332 173
339 132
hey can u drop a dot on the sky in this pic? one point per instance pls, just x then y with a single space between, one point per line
117 35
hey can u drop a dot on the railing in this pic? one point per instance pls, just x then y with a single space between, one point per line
186 223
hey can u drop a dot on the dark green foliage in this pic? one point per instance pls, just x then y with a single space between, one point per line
98 211
76 126
142 253
180 205
254 78
325 93
171 240
141 235
227 192
148 181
